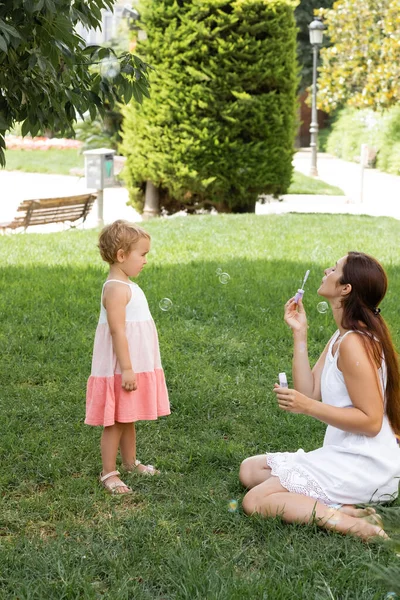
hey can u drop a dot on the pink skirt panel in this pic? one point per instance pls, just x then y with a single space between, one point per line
107 402
143 349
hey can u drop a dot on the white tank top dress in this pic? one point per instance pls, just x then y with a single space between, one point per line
350 468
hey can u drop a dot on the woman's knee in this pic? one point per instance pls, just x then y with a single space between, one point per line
254 470
250 502
245 472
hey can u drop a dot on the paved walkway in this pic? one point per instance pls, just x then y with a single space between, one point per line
381 193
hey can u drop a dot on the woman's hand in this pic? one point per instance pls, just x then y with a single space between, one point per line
129 380
295 315
292 401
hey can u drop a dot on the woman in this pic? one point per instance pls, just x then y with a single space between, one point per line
357 377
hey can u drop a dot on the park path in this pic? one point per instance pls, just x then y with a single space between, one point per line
381 193
380 197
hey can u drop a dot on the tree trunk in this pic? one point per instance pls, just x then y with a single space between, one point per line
250 207
152 201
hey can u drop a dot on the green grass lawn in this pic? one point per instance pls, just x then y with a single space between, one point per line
62 161
61 535
301 184
55 161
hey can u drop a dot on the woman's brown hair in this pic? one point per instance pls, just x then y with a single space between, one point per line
369 283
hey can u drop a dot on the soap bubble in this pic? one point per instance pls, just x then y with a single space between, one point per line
232 506
316 252
322 307
391 596
109 67
224 278
218 271
165 304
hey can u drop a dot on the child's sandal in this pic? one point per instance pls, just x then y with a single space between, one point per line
112 486
145 470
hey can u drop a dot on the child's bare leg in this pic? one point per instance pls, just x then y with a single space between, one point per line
254 470
110 441
128 451
271 499
127 444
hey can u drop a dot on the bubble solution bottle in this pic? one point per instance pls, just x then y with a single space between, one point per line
300 291
283 380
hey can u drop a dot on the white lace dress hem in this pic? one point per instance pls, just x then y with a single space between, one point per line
294 478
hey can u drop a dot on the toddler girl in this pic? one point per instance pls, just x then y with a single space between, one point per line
127 381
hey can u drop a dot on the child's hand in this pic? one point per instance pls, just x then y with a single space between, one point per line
129 380
295 315
292 401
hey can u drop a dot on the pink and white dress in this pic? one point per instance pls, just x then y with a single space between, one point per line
106 400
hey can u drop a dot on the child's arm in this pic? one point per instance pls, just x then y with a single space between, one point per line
305 380
115 298
362 382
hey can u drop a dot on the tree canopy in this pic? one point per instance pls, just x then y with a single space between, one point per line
362 66
46 74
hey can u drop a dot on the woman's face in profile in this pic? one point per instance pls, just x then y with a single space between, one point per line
329 287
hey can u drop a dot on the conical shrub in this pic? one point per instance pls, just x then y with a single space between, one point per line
219 127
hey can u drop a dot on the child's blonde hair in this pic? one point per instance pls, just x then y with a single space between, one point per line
120 235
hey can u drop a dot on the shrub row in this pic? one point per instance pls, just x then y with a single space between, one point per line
353 127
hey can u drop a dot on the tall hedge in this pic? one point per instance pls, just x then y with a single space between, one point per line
219 127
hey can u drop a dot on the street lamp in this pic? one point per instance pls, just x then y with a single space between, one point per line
316 29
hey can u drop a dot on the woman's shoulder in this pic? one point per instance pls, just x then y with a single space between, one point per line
354 342
352 338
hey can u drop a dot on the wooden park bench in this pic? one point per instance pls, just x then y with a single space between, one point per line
51 210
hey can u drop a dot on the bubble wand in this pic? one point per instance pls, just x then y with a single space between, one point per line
300 291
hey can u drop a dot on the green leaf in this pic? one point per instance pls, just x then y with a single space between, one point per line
32 61
127 91
35 129
42 62
25 129
3 44
5 27
128 69
4 124
92 111
50 6
137 94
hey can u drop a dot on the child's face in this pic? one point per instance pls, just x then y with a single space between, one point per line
133 262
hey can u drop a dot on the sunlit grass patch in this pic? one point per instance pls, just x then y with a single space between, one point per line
222 346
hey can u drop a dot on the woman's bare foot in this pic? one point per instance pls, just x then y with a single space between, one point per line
369 531
338 520
368 513
350 509
366 530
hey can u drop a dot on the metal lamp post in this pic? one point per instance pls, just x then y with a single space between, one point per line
316 29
